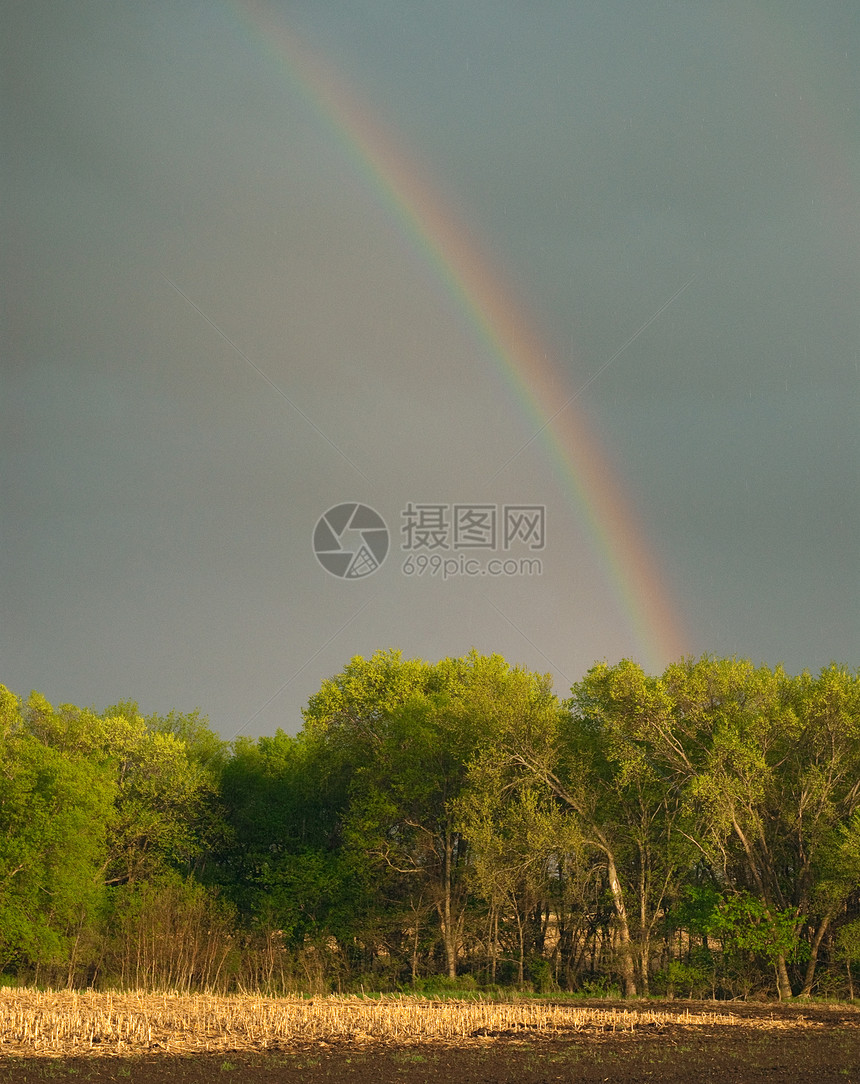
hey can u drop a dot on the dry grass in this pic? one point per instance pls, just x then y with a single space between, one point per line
66 1023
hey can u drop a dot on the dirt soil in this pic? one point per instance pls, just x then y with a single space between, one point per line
816 1043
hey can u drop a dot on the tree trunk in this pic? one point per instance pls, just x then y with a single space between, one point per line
625 954
521 976
449 934
783 984
495 936
809 978
644 961
415 951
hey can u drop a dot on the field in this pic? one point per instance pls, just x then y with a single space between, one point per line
153 1038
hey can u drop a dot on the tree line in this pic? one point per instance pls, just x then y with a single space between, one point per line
456 824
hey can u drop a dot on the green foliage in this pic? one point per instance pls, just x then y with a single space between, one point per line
745 925
691 979
540 974
55 808
192 730
696 911
697 831
282 860
848 942
163 794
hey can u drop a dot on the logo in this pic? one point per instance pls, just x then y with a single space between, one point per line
351 541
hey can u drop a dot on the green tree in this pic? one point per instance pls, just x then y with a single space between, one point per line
820 803
747 928
637 817
164 795
591 760
520 842
770 767
282 861
55 809
410 731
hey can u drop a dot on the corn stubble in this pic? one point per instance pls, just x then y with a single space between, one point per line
66 1023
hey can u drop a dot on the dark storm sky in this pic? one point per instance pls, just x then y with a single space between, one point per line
159 494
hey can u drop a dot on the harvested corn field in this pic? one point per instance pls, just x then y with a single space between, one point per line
72 1023
67 1023
158 1039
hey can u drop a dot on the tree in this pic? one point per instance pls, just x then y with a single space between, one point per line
282 861
762 769
520 842
163 796
55 809
410 731
589 761
636 816
770 766
820 802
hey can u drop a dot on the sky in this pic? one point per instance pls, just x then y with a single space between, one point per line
564 293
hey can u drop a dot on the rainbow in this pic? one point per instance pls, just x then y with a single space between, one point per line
582 468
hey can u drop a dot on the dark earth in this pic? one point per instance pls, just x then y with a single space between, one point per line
822 1046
